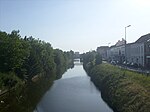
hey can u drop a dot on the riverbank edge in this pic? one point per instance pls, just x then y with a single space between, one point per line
122 90
25 96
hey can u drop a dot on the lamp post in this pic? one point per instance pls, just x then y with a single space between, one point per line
125 45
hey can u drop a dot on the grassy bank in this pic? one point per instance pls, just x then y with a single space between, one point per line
123 90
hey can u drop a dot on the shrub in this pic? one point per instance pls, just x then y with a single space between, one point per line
123 90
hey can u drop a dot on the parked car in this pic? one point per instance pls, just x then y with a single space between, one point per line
113 62
135 65
124 63
128 64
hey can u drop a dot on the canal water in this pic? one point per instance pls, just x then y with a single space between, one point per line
74 92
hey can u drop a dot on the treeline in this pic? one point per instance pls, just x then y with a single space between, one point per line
123 90
27 59
90 59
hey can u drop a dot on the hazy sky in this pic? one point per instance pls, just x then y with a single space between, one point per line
80 25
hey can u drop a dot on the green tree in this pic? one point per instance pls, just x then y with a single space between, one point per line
13 51
60 62
28 57
98 59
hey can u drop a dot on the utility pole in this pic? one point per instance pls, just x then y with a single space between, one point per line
125 45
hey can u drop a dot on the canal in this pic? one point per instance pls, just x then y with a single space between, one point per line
74 92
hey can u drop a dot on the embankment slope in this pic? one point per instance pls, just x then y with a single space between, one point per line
123 90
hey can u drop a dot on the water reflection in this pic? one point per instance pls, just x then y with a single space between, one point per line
74 92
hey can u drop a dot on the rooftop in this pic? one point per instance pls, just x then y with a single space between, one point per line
144 38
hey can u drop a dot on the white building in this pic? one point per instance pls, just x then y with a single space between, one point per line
135 53
117 52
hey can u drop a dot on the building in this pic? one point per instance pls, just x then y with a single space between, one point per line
147 54
117 52
120 42
137 52
145 39
102 50
129 51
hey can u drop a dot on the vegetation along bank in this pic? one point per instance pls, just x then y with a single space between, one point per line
28 67
123 90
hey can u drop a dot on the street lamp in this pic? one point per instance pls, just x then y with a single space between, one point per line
125 45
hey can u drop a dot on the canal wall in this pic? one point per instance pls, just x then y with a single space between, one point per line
123 90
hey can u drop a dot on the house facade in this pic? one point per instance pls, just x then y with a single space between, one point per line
147 54
137 52
102 50
117 52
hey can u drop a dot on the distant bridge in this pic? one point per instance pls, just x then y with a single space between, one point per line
77 62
